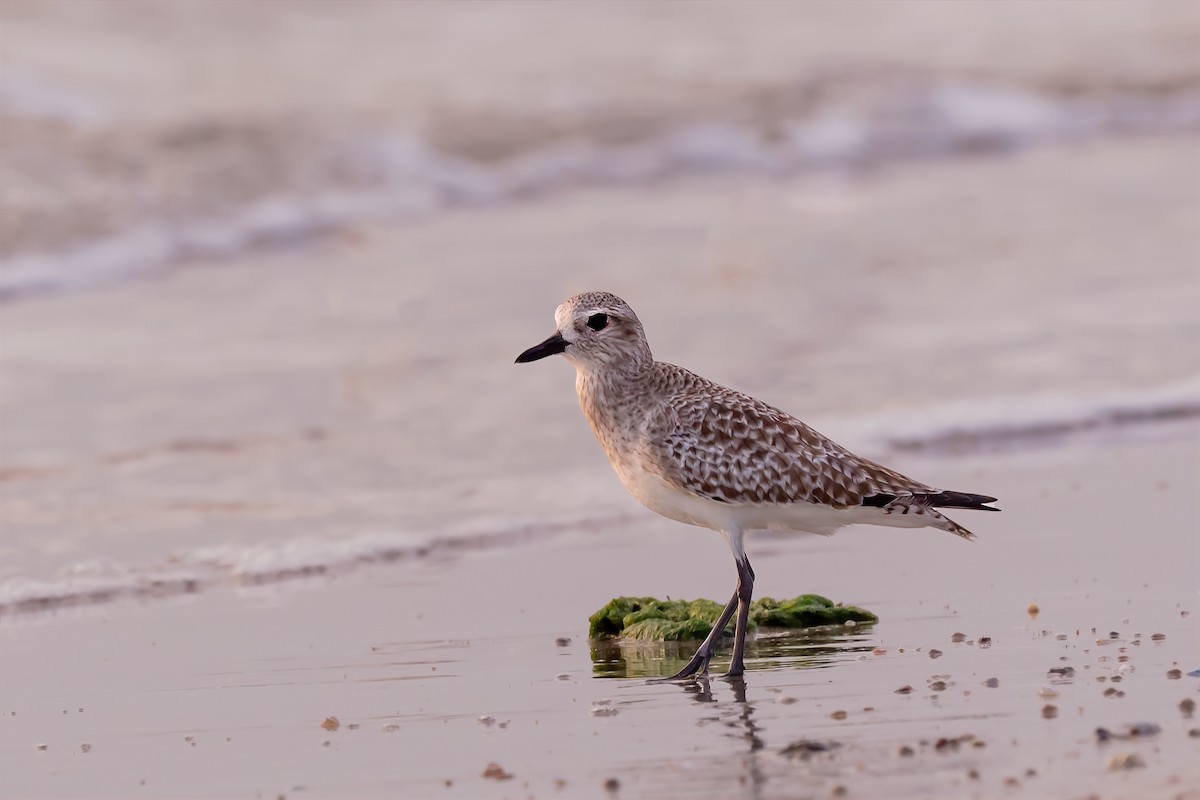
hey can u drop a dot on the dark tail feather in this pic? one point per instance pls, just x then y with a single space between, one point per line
974 502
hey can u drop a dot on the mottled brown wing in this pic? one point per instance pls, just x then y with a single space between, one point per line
727 446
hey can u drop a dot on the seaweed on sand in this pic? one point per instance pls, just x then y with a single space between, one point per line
651 619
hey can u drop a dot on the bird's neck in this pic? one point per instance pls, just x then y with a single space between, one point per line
610 397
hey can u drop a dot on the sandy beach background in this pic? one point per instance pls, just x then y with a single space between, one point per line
264 457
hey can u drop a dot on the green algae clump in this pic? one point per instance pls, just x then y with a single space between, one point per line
806 611
651 619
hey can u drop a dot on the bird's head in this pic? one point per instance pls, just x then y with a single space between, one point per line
596 330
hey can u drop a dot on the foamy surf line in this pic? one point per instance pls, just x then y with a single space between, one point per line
101 581
414 179
1009 422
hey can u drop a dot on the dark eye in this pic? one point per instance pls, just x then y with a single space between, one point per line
597 321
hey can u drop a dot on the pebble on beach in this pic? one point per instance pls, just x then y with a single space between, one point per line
1032 610
495 772
992 683
935 653
1049 711
1125 761
331 724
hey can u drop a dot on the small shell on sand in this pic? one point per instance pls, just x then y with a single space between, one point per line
1125 761
495 772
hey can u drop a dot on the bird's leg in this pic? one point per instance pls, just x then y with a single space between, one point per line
704 654
745 590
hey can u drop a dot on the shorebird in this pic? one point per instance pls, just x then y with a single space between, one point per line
699 453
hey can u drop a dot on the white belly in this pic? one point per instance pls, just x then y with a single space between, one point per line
692 509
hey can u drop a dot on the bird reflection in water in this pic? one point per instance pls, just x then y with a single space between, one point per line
812 648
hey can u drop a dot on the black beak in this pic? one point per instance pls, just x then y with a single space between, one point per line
551 347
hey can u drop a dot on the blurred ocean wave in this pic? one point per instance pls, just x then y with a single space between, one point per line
85 202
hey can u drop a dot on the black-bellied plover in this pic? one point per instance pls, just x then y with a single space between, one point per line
697 452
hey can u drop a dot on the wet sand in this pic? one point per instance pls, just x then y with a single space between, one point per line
435 669
304 452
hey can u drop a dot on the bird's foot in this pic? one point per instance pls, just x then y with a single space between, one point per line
695 669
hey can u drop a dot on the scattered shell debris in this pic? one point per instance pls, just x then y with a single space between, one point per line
603 711
486 720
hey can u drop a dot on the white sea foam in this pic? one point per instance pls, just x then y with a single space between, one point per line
414 179
1000 422
102 580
